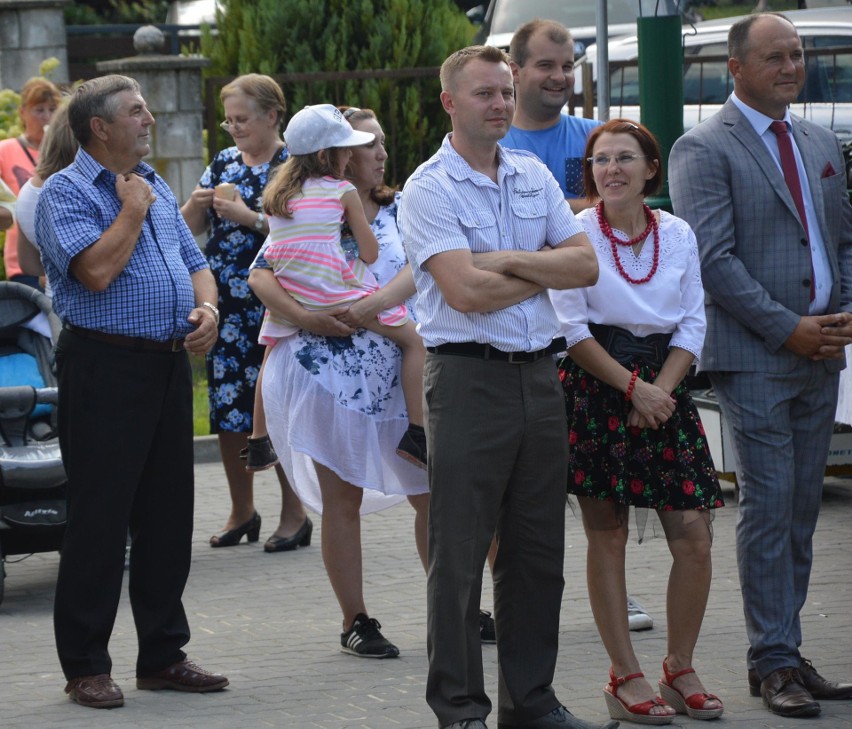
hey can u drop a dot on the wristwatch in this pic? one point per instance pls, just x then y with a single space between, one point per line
208 305
258 223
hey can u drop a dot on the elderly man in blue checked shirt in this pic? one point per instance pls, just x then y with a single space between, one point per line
135 295
487 231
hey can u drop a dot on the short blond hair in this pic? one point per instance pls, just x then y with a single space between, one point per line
458 60
262 89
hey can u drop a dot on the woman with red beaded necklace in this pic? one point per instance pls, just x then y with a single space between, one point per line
636 439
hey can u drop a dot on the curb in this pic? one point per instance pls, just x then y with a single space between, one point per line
206 449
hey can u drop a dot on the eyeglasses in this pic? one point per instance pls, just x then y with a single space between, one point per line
621 160
350 112
229 126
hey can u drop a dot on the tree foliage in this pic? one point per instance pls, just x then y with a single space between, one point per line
293 36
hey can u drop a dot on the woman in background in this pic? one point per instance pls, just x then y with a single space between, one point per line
57 152
19 156
227 205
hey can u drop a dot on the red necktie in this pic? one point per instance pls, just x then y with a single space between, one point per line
791 176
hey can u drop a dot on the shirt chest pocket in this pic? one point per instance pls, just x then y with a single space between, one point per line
529 220
480 229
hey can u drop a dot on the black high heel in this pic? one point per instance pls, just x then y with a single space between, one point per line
232 537
301 538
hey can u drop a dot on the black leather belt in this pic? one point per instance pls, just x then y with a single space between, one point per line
139 344
624 347
486 351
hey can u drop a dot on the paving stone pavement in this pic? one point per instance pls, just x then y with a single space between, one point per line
271 624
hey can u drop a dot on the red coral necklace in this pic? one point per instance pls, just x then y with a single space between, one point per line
614 242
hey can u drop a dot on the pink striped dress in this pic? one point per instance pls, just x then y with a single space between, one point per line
305 254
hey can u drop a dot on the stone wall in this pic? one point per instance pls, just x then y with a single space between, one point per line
30 32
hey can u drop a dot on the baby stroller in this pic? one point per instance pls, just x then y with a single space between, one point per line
32 478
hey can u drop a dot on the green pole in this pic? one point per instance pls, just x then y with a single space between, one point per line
661 85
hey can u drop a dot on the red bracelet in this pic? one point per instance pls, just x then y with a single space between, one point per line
629 393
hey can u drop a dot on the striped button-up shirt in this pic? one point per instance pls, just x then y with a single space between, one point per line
153 296
446 206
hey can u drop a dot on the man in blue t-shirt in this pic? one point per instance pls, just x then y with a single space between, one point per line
543 68
542 54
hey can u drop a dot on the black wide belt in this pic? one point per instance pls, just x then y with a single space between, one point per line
486 351
139 344
624 347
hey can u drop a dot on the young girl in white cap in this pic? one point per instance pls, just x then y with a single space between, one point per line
306 200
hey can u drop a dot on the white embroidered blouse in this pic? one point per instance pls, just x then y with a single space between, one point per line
671 302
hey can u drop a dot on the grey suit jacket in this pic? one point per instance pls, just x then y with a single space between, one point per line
755 260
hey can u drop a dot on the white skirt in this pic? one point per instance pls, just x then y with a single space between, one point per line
338 401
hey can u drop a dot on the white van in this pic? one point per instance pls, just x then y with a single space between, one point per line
504 16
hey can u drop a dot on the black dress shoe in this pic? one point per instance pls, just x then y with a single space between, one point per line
784 694
560 718
819 687
301 538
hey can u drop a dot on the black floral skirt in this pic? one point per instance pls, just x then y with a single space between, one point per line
666 469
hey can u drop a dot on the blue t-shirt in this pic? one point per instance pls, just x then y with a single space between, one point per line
561 148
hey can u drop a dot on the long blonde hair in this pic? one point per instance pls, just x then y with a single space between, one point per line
290 177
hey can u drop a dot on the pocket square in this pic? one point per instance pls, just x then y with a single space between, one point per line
828 170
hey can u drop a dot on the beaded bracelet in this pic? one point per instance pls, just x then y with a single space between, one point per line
629 393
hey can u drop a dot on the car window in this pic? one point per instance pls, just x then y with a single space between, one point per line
509 14
707 82
829 75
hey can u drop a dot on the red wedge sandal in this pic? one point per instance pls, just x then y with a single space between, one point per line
637 713
693 705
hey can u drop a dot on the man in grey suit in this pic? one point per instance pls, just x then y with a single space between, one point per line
779 293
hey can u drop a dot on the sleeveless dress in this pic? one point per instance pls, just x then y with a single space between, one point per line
234 361
339 401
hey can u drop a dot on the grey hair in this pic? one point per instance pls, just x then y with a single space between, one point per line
97 98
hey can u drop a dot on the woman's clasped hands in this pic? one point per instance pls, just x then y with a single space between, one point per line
652 406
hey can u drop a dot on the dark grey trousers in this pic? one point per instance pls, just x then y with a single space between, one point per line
497 439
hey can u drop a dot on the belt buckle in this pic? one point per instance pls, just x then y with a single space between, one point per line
520 357
177 345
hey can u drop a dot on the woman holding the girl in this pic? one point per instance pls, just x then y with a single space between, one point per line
634 432
333 386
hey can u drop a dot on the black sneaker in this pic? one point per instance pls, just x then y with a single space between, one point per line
365 640
412 446
259 454
487 632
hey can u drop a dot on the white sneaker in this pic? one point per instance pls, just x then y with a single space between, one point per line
637 618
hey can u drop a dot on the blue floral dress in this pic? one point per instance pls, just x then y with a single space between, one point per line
339 401
234 362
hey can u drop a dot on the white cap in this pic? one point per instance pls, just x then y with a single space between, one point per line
320 127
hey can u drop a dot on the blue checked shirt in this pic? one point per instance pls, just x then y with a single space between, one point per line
446 205
153 296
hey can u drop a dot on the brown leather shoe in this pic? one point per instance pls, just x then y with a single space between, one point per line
784 694
183 676
819 687
97 692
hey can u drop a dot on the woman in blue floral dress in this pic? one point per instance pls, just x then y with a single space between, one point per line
334 403
227 205
634 433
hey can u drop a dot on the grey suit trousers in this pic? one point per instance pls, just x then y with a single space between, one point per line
782 425
497 438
